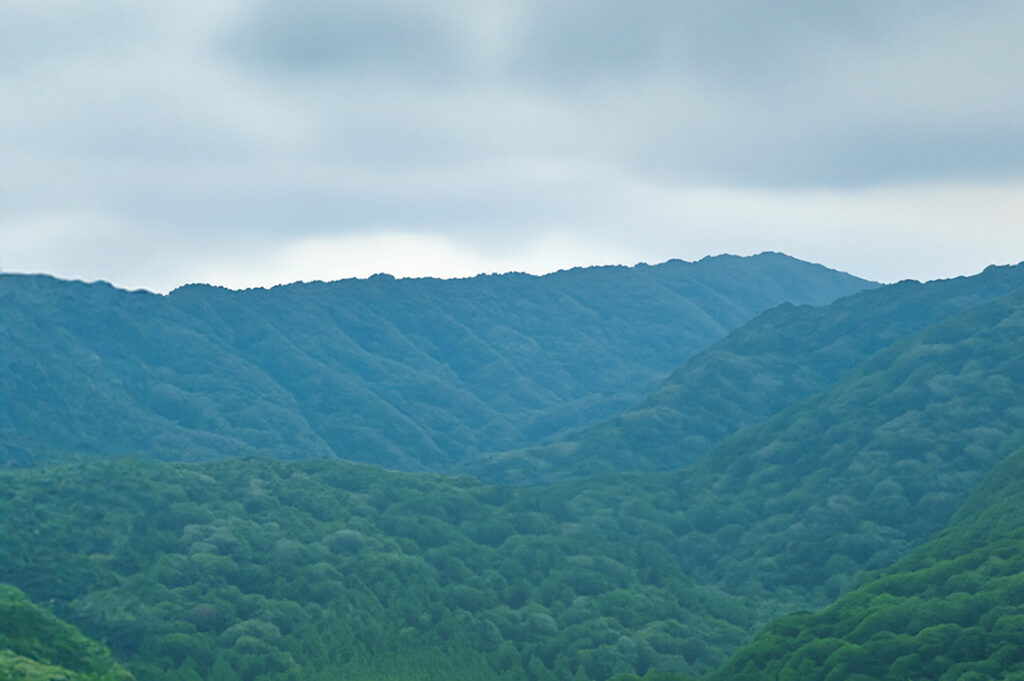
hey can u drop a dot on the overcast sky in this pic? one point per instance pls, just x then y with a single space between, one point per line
251 143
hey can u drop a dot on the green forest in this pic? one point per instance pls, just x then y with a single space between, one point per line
952 609
812 491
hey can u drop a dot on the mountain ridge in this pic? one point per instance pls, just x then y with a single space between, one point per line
785 354
410 373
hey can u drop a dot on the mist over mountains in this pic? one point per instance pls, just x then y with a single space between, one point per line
669 468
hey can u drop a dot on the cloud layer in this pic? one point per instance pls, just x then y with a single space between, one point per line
244 142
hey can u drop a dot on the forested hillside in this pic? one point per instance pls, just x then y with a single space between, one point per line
259 569
953 609
411 374
853 477
784 355
37 646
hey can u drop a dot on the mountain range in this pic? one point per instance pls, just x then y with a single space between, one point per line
412 374
826 491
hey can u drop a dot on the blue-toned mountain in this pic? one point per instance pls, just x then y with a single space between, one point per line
784 355
408 373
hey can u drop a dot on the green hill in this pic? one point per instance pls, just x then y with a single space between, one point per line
784 355
412 374
952 609
37 646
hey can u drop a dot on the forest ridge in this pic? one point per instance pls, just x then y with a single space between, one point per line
823 491
411 374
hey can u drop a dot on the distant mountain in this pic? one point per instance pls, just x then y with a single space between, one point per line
325 569
784 355
952 609
411 374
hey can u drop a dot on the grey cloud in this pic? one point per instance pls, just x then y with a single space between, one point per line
206 119
322 36
709 92
563 43
33 33
732 44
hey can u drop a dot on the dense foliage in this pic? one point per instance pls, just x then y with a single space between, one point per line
855 476
410 374
37 646
784 355
789 511
951 610
330 570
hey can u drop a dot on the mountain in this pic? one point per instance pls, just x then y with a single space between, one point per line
412 374
855 476
784 355
325 569
952 609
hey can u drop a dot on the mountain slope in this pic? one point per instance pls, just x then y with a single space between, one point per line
37 646
782 356
410 374
952 609
875 464
788 511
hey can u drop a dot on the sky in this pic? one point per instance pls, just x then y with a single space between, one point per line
259 142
